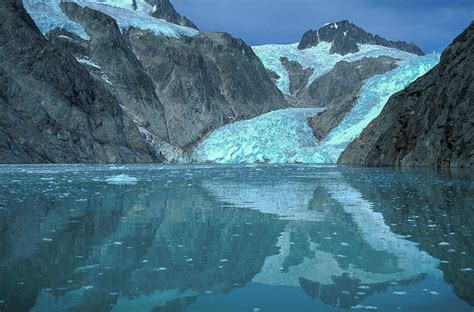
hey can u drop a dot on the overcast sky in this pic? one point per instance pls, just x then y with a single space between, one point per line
432 24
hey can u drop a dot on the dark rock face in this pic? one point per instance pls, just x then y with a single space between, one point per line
345 36
204 81
338 89
298 76
431 122
52 109
163 9
130 83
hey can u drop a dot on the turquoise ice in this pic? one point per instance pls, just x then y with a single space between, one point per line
48 15
284 136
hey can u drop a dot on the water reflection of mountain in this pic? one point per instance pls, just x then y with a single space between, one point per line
347 245
146 247
434 211
72 242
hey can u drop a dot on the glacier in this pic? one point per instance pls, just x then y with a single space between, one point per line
48 15
318 58
278 137
284 136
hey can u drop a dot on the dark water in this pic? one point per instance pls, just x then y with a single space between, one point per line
235 238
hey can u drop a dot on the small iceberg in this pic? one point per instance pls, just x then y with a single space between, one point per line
122 179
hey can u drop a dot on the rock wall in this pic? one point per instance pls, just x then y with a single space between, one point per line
430 123
52 109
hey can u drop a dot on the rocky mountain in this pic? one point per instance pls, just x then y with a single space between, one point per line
169 84
345 37
431 122
297 68
163 9
205 81
339 89
52 109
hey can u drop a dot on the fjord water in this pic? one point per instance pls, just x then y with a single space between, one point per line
234 238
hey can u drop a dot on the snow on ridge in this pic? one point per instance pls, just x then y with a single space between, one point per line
48 15
318 58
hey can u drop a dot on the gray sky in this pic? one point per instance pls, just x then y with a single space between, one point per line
432 24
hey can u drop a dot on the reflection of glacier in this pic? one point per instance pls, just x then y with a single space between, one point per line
285 137
304 253
289 201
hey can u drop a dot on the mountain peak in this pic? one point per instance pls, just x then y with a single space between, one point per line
345 37
163 9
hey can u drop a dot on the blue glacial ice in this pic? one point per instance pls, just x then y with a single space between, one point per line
284 136
48 15
318 58
279 137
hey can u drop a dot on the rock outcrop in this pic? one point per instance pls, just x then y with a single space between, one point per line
338 90
163 9
431 122
345 37
204 81
298 75
52 109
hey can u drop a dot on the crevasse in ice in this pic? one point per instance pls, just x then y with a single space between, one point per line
318 58
284 136
48 15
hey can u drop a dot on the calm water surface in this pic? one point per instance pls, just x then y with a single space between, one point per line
235 238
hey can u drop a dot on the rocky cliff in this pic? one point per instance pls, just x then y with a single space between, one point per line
345 37
431 122
52 109
163 9
205 81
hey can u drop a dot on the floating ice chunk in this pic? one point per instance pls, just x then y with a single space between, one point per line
159 269
399 293
46 239
466 270
444 244
122 179
435 293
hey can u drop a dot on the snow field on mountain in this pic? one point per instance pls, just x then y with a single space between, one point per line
318 58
